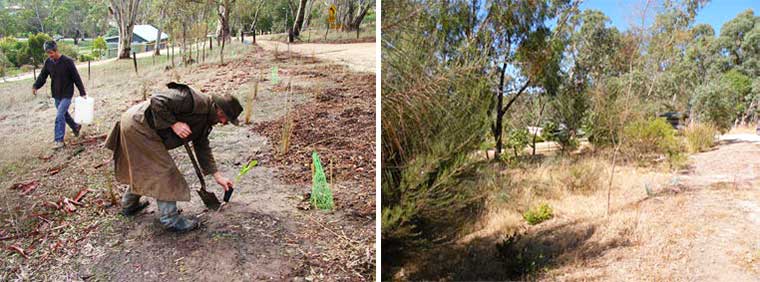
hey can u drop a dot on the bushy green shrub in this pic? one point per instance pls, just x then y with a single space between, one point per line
538 214
85 57
99 47
649 138
713 104
68 50
12 48
700 137
34 48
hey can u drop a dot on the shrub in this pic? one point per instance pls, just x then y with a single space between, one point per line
99 47
582 177
712 104
86 57
35 49
11 48
517 139
700 137
650 137
4 64
560 134
68 50
538 214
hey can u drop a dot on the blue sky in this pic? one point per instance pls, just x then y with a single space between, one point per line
623 13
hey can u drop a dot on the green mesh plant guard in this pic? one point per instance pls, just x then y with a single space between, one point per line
275 77
321 195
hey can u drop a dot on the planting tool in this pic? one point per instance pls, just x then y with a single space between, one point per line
209 199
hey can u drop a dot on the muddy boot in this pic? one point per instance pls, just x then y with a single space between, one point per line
131 204
171 219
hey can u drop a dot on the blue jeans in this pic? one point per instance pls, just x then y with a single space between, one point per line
62 118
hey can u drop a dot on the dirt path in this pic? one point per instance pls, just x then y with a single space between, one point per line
263 234
357 56
80 65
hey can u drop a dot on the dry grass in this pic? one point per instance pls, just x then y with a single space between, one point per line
743 129
317 35
700 137
250 98
504 246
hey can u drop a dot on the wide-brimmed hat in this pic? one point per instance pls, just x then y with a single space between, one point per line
229 105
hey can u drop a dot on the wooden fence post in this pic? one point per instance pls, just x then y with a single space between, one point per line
134 60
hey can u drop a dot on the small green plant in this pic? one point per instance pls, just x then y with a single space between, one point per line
538 214
700 137
321 195
245 169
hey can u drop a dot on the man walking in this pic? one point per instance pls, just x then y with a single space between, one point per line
63 76
141 140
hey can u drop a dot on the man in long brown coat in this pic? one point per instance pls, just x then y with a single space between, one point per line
141 140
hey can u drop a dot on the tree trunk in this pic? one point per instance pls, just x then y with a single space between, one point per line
497 127
157 52
538 123
307 20
350 16
223 23
125 13
298 23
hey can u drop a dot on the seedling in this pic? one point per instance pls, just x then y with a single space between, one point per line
287 126
249 102
245 169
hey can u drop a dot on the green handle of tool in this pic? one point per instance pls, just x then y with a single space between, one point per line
195 165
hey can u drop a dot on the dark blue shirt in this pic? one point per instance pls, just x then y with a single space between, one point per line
63 76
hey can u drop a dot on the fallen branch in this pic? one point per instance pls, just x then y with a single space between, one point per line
26 187
18 250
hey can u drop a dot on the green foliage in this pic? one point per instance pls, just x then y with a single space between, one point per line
68 50
245 169
700 137
85 58
538 214
12 49
99 47
435 114
34 48
4 64
321 195
649 138
559 133
713 104
517 139
570 109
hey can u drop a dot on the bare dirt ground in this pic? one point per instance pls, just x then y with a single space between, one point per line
263 234
357 56
700 224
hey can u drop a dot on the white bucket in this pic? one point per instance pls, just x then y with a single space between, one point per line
84 110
